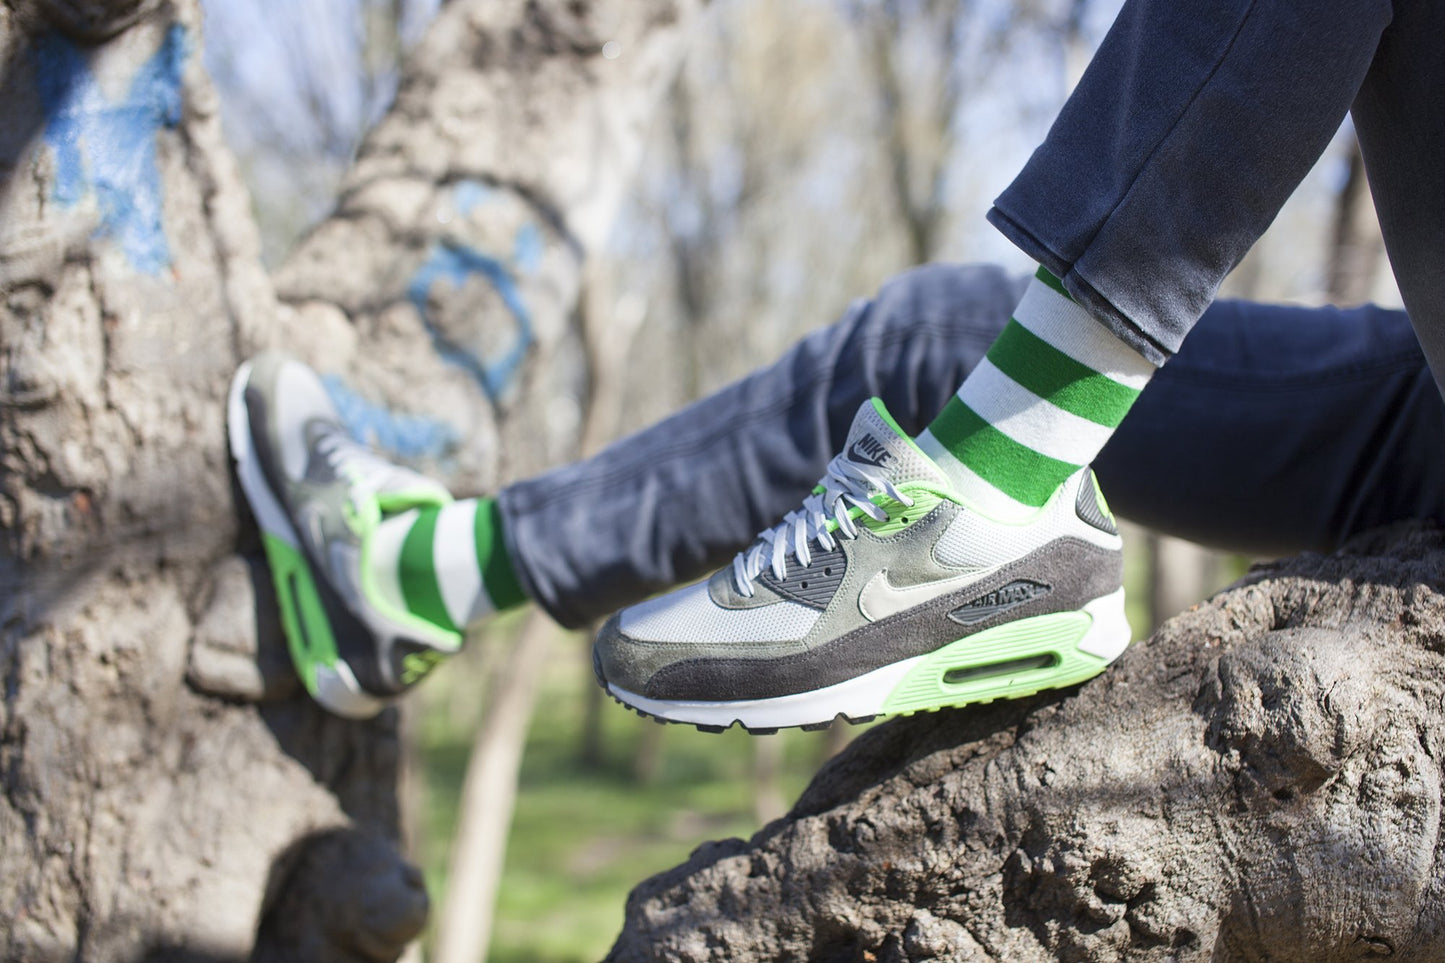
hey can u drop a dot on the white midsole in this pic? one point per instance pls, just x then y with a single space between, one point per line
336 686
1110 633
340 694
1108 636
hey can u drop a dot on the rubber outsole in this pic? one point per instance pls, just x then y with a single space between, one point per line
894 690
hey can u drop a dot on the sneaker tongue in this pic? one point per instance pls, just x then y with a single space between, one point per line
401 489
876 442
396 488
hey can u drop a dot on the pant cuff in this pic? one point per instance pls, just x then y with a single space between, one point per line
1098 306
541 592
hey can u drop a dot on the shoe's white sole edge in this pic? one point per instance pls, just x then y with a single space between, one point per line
337 690
1107 638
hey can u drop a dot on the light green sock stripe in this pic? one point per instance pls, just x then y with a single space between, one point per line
1059 379
417 572
498 575
1017 470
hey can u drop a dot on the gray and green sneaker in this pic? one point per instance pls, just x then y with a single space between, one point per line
316 494
885 593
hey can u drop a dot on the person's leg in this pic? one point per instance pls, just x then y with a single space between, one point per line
1192 125
1279 429
1402 137
679 498
1276 429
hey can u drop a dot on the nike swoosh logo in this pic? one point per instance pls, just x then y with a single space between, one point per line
880 598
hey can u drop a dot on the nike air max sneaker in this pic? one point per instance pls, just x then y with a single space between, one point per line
885 593
316 494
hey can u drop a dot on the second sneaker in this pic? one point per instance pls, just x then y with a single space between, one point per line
317 495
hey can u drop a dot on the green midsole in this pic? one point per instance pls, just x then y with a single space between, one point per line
303 618
1028 655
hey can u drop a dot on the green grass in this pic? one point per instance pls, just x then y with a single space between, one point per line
582 837
1136 588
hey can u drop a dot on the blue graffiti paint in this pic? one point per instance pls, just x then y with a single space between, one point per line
468 194
454 264
527 249
109 147
403 436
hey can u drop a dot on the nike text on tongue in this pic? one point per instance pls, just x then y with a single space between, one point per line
870 451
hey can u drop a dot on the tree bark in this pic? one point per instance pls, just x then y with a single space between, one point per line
166 791
1261 780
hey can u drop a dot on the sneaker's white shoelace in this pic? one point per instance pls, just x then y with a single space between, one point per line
366 472
846 485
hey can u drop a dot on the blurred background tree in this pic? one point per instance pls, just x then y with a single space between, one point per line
808 150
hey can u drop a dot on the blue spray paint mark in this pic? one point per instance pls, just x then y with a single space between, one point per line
469 194
110 147
403 436
455 264
527 249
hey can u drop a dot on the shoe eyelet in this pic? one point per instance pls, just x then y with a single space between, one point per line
804 586
827 571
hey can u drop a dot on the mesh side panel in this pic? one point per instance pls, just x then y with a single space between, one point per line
974 542
690 615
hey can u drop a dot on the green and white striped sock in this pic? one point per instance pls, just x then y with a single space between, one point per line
447 566
1039 407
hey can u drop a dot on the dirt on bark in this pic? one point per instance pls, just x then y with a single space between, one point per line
1261 780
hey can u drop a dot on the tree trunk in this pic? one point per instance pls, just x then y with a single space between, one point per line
489 797
1259 781
1180 574
163 782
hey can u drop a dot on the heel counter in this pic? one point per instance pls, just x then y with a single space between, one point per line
1090 506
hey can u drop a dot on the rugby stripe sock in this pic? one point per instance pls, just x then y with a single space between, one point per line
1040 406
447 565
